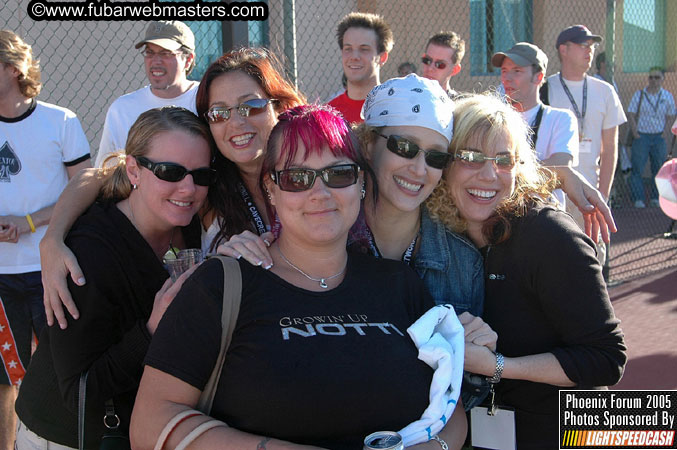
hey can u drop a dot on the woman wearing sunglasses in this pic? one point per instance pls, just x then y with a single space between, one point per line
148 205
240 96
545 294
308 365
406 131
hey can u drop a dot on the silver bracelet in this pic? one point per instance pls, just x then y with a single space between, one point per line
441 441
498 372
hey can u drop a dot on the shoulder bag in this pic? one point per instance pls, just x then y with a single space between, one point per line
113 438
232 296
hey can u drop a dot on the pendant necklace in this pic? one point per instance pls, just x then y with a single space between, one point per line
322 281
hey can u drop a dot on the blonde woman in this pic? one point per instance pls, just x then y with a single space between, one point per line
149 205
544 291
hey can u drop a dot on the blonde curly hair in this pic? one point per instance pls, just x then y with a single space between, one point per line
487 116
16 53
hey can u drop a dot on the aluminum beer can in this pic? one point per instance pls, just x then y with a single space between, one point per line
383 440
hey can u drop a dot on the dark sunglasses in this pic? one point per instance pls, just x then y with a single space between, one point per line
245 109
406 149
299 179
172 172
427 60
475 159
655 77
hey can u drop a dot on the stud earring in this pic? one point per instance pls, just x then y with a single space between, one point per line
363 193
134 186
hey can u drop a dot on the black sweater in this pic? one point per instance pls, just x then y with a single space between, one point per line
545 293
109 339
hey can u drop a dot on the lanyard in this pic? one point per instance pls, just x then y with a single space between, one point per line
535 126
579 115
251 207
658 100
406 256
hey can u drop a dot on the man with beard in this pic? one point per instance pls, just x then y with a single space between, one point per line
169 56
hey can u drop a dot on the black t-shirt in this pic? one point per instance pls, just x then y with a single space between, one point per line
318 368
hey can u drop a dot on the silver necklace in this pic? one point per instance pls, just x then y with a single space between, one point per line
322 281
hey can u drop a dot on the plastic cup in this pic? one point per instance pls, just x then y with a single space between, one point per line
184 260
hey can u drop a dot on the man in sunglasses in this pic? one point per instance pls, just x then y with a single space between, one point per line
597 108
650 114
41 147
169 57
442 59
365 41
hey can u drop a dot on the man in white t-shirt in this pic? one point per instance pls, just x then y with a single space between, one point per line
41 147
365 41
555 137
594 103
650 113
169 57
597 108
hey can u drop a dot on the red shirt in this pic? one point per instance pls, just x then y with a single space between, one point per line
348 107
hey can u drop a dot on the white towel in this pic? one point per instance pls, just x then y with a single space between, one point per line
438 335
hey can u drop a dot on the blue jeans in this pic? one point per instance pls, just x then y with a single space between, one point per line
21 297
650 146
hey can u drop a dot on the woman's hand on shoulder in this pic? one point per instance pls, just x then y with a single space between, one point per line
252 247
57 262
164 298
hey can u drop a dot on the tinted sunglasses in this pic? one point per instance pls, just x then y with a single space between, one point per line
406 149
172 172
475 159
300 179
655 77
427 60
245 109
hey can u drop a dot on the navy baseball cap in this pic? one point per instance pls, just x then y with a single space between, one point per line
576 34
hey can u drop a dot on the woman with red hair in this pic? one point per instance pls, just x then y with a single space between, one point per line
314 361
240 96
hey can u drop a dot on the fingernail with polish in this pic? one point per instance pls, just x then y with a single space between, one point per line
268 266
265 241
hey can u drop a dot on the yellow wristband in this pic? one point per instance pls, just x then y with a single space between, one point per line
30 222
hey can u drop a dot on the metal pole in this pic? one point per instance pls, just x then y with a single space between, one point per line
289 12
609 47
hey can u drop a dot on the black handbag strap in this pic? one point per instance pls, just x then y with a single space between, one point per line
81 409
110 420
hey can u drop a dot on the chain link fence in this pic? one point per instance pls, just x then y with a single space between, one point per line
87 64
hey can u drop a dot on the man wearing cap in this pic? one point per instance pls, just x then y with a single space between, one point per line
169 56
442 59
555 136
650 113
594 103
365 41
596 106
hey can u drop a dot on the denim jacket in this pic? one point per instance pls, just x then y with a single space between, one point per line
450 266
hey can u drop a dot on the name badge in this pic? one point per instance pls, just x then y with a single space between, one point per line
585 146
495 431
